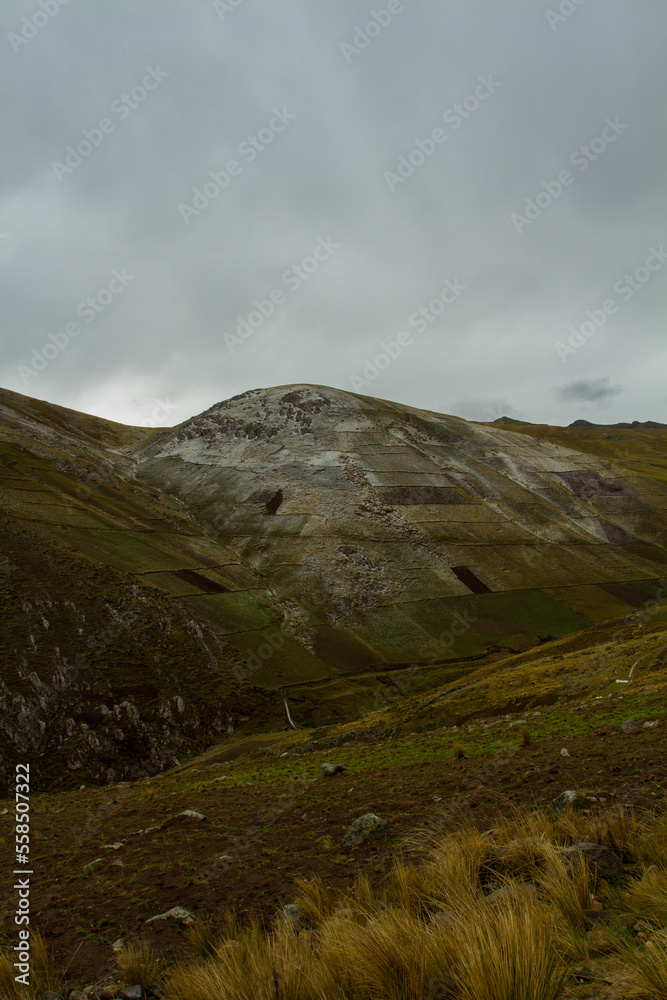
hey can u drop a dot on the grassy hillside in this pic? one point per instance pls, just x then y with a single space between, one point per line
471 752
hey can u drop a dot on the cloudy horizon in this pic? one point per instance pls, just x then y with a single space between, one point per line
455 206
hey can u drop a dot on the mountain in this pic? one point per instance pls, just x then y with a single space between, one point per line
161 588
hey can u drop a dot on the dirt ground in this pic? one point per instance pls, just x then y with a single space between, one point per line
274 833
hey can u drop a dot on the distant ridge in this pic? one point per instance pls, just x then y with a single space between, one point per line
624 425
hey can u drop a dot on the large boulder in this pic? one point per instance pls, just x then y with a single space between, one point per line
366 827
605 863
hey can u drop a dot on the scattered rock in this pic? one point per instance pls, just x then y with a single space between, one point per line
230 945
605 863
347 913
564 752
294 914
367 827
654 724
131 993
593 917
176 913
630 726
90 864
118 944
566 800
643 930
507 892
329 769
191 814
610 727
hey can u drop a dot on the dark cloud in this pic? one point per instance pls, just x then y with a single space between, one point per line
428 145
589 391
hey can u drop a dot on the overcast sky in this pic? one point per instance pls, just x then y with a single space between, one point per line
451 187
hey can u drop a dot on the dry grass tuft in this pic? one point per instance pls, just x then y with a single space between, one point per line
526 738
646 899
8 987
430 931
139 963
646 970
507 952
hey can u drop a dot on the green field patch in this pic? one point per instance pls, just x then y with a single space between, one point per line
234 612
274 659
394 635
592 602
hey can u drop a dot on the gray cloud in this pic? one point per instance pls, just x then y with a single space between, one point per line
589 390
360 114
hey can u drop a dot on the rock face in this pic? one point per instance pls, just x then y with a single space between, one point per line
160 587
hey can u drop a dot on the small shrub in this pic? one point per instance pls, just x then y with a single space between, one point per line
526 738
203 938
8 988
647 973
458 751
647 898
138 963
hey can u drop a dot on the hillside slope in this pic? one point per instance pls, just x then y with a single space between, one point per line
159 589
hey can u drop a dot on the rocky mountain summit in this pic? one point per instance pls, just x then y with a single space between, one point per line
161 588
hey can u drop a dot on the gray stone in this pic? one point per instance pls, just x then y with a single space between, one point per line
566 800
175 913
443 917
191 814
294 914
330 769
131 993
605 863
630 726
367 827
347 913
